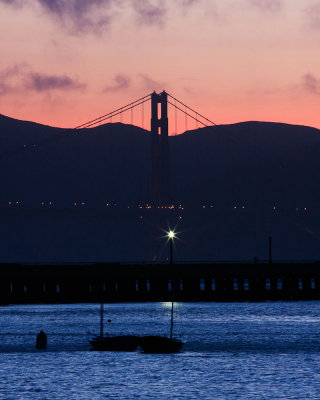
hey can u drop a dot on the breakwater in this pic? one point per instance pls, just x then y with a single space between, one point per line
157 282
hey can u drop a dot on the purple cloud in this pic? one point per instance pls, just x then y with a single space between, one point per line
14 3
267 5
188 3
95 16
77 16
149 13
11 78
312 16
151 84
84 15
311 84
121 82
43 82
20 78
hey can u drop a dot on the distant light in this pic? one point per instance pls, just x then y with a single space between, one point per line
171 234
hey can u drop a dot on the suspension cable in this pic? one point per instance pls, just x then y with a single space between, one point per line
142 115
110 115
186 117
106 116
196 112
175 118
189 115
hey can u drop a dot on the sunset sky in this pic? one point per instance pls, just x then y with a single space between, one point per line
64 62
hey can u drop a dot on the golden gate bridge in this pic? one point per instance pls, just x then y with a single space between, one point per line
164 98
160 184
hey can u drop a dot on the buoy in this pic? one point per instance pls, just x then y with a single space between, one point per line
41 342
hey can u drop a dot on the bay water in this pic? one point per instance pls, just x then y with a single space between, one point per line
232 351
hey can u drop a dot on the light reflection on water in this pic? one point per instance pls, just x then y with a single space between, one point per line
247 350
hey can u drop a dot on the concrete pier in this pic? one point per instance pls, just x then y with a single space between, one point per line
154 282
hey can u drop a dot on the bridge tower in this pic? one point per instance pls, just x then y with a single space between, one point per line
160 160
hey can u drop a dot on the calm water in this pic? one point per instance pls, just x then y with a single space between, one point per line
233 351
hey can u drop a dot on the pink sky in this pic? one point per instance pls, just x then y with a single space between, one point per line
68 61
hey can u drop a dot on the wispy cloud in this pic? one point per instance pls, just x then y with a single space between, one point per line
14 3
8 77
12 79
311 84
95 16
151 84
312 15
77 16
81 16
121 82
307 84
42 82
188 3
267 5
150 12
20 78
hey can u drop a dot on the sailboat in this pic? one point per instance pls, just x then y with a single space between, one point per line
163 344
113 343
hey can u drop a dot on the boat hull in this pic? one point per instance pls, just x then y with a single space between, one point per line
114 343
160 344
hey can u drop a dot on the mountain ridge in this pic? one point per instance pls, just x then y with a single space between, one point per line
253 178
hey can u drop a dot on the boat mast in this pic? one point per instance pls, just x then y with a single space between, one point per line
101 320
172 283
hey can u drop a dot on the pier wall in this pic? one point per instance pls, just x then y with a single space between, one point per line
23 284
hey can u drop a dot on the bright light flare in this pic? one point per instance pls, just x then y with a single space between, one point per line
171 235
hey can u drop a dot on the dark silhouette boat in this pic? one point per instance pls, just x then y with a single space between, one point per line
163 344
113 343
160 344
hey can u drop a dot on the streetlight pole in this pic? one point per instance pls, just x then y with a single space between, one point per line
171 235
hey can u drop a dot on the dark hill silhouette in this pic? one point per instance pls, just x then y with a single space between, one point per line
63 165
220 152
257 165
